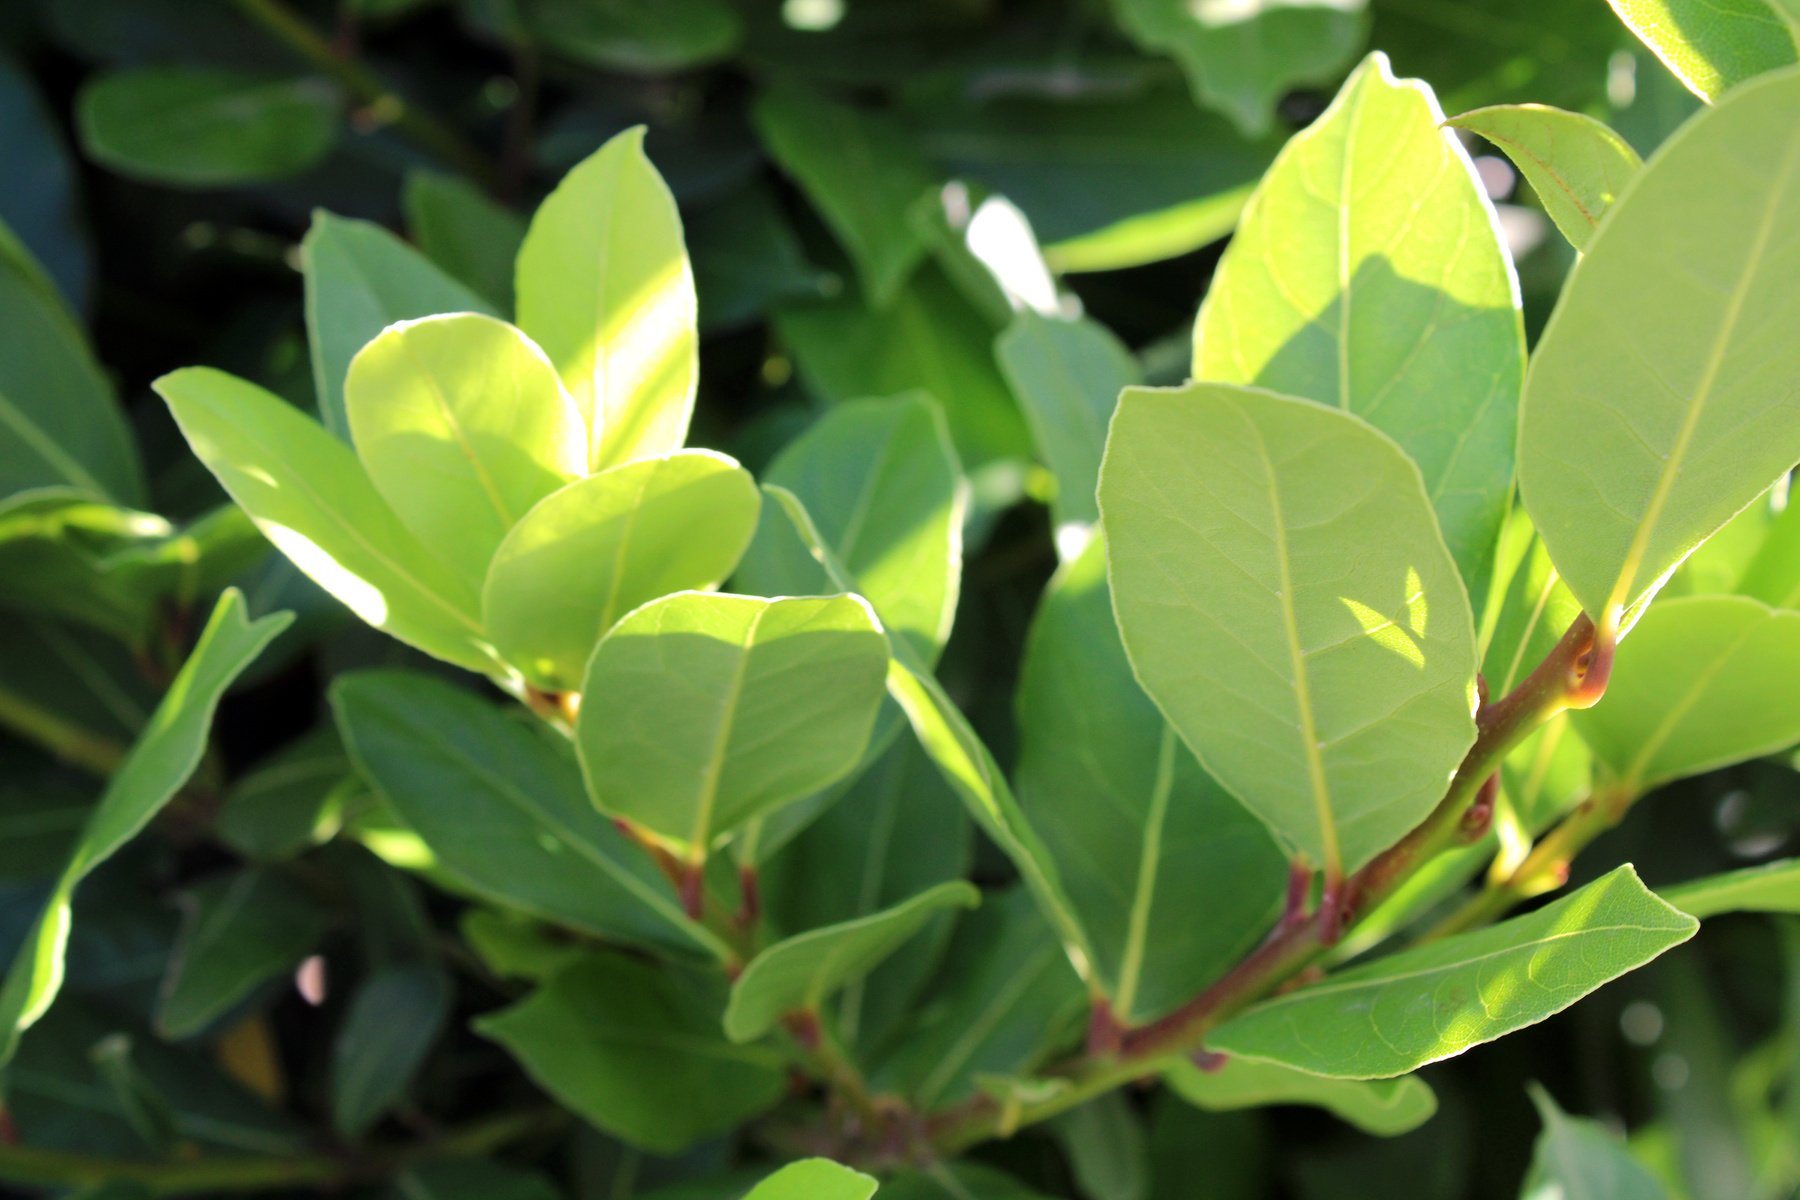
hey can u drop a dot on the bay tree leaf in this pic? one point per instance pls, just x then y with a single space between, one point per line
1703 682
1579 1159
394 1017
1773 573
604 286
289 801
1575 164
1653 413
1768 887
1285 598
308 494
798 974
1107 1148
591 552
702 711
637 36
1712 45
471 1179
165 755
814 1179
1172 878
635 1048
1240 58
462 425
746 258
206 126
958 1181
861 170
1437 1000
46 215
243 929
501 806
883 478
1067 376
1384 1107
359 280
1368 274
471 238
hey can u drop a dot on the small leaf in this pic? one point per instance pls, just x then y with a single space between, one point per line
799 974
359 280
1435 1001
1703 682
160 762
863 173
1770 887
605 288
1384 1107
203 127
1653 413
1285 598
308 494
814 1179
244 929
395 1016
1575 164
473 239
636 1049
1578 1159
1711 46
702 711
590 553
291 801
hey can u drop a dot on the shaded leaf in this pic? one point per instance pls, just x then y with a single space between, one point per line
1770 887
814 1179
242 930
1575 164
1384 1107
395 1016
1578 1159
635 35
473 239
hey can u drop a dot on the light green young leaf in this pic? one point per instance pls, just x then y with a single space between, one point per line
1368 274
1437 1000
800 973
1576 165
1773 574
1067 376
814 1179
1712 45
397 1013
1660 400
700 711
891 499
160 762
600 547
635 1048
1286 600
1384 1107
308 494
1144 839
243 929
861 171
1703 682
1579 1159
605 288
1240 58
359 280
473 239
501 806
1770 887
206 127
462 425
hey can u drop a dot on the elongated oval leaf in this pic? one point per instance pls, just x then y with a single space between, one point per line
160 762
700 712
1661 400
1704 681
1579 1159
308 494
1384 1107
1435 1001
359 280
799 974
1712 45
605 288
462 426
1286 600
1575 164
1368 274
814 1179
590 553
1771 887
243 929
397 1013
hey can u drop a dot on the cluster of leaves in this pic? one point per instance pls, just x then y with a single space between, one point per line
1323 648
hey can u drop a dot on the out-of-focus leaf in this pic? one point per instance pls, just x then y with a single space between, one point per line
638 36
1383 1107
1773 574
1578 1159
1771 887
471 1179
397 1013
39 201
290 801
1105 1144
1712 46
471 238
243 929
1575 164
1478 52
957 1181
515 947
746 259
814 1179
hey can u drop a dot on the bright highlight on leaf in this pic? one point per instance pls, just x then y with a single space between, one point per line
1712 45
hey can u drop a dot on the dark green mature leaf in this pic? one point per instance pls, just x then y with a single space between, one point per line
1576 165
957 1181
206 127
746 259
1105 1144
1578 1159
359 280
471 1179
243 929
1654 413
1770 887
1172 878
636 1049
1384 1107
1478 52
500 804
473 239
814 1179
1703 681
639 36
42 206
800 973
1286 600
160 762
397 1013
1432 1002
290 801
1712 45
1367 274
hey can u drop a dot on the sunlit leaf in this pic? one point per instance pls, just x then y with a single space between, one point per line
1712 45
814 1179
1576 165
